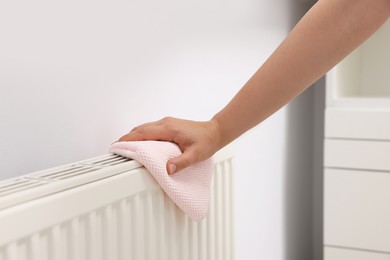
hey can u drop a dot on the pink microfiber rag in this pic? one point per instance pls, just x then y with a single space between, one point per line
189 188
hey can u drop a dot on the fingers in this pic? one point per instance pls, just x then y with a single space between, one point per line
158 130
153 132
186 159
155 123
149 131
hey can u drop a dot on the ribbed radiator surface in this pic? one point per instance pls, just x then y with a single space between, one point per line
122 216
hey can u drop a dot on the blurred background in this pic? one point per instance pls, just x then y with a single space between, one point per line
76 75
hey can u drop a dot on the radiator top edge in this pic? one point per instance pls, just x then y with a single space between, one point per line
38 184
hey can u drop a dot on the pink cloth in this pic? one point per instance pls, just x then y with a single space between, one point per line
189 188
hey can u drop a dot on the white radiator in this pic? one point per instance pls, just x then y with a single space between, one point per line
110 208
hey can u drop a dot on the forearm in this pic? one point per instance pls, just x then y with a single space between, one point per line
325 35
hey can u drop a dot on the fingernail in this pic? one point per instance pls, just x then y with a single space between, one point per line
172 168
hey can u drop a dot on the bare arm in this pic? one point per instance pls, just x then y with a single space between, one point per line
325 35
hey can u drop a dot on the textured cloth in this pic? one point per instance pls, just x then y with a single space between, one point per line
189 188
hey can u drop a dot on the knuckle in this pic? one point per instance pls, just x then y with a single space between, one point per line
138 131
167 119
169 126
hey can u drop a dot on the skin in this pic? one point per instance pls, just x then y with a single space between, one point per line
328 32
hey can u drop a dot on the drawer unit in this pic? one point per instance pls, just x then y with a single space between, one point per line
332 253
357 154
357 209
352 123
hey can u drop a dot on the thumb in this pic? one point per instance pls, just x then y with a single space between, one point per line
179 163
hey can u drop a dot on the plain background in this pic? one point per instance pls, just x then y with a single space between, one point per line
76 75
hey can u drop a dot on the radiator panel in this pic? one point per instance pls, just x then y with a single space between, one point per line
124 216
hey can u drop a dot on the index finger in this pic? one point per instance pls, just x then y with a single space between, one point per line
148 132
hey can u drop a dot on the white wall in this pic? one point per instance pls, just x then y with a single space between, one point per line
76 75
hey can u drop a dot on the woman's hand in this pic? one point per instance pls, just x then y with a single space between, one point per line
197 140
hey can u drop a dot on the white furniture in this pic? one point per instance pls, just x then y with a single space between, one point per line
357 154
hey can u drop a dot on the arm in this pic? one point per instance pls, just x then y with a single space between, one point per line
325 35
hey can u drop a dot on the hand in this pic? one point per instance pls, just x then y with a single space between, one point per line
197 140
